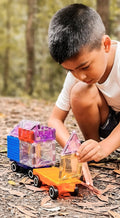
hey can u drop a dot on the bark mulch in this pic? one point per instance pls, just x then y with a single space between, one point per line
19 197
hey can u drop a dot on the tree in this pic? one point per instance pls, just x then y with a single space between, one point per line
7 50
103 10
30 44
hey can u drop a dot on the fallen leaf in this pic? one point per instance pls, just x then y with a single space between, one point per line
35 189
2 115
117 171
4 172
93 212
30 213
109 187
23 210
52 209
101 165
90 205
92 188
3 150
114 214
16 193
45 200
4 188
103 198
11 182
26 181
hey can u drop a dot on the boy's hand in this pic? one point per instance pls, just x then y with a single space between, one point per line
90 150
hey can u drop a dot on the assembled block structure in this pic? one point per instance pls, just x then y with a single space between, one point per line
69 166
31 145
67 176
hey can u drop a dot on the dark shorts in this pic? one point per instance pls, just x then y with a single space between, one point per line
111 122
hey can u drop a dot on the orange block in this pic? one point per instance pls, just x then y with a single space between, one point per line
26 135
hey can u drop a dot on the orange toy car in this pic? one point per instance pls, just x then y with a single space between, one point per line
60 180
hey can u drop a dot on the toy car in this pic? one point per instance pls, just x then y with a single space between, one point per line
60 180
30 145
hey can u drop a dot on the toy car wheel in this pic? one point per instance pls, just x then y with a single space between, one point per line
14 166
53 192
76 191
57 163
30 173
37 182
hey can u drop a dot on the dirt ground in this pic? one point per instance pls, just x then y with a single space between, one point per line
19 197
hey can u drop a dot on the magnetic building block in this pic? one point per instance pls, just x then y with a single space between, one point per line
13 148
36 144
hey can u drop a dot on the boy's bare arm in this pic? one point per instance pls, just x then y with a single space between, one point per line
56 121
93 150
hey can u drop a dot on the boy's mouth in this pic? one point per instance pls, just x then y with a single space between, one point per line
88 81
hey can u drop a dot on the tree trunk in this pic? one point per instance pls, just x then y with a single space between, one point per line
103 10
30 30
7 50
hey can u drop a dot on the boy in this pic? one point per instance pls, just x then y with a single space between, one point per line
77 41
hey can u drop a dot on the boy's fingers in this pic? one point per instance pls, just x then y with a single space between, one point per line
92 153
87 150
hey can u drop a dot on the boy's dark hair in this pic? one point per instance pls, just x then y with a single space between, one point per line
72 28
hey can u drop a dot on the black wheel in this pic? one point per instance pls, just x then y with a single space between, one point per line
30 173
37 182
57 163
14 166
53 192
76 191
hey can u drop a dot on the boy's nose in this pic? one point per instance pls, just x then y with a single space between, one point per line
82 76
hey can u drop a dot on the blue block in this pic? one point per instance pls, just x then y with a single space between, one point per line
13 151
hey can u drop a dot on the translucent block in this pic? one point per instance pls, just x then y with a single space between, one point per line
70 167
48 152
25 153
72 144
14 132
37 154
29 124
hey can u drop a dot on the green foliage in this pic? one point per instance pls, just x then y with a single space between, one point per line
49 76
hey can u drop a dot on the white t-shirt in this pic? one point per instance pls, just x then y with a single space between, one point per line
110 88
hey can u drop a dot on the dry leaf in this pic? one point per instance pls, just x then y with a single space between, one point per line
26 181
4 188
52 209
23 210
101 165
114 214
92 188
11 182
4 172
13 192
117 171
45 200
103 198
90 205
109 187
3 150
35 189
93 212
28 213
2 115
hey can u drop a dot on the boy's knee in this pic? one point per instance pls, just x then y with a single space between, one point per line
83 94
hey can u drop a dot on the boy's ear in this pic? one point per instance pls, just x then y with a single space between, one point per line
106 43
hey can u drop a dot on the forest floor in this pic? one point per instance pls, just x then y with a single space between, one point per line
19 197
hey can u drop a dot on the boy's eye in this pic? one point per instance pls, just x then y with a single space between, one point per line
84 68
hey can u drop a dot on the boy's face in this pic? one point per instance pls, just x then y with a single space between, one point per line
89 66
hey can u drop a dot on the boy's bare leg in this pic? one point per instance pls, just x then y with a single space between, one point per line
89 108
